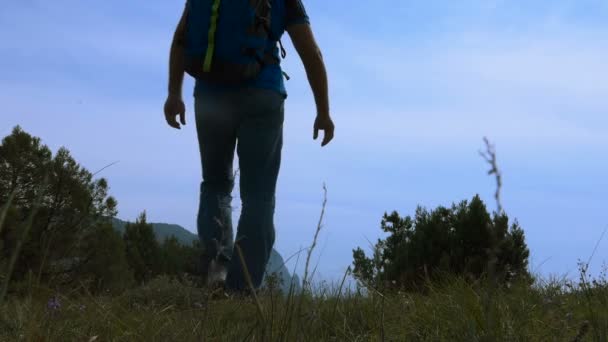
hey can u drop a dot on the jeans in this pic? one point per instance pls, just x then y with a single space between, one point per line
250 120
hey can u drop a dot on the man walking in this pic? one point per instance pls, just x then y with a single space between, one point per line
233 50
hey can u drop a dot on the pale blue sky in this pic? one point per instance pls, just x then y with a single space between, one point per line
415 85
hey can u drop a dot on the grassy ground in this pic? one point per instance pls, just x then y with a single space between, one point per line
166 310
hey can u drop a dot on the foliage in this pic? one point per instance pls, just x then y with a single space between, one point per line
460 240
179 259
143 251
73 207
106 268
148 259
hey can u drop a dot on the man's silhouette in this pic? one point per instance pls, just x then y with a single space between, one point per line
247 117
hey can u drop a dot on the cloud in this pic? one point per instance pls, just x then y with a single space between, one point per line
542 84
552 64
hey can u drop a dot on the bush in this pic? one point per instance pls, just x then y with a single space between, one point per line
461 240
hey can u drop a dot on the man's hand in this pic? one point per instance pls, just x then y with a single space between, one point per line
174 106
324 123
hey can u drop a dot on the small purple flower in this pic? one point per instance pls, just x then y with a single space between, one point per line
53 304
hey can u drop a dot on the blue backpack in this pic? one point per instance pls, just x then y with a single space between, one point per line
228 41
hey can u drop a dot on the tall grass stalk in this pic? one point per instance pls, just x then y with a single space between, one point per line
249 282
346 273
314 240
5 209
490 157
26 229
594 318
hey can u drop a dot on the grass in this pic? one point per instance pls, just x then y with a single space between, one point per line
166 310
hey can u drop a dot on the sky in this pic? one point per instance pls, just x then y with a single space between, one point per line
414 88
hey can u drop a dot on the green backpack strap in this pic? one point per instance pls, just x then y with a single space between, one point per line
215 12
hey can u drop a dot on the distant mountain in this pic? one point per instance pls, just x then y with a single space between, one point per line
184 236
276 264
162 231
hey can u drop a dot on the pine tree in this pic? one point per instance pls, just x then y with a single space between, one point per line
143 250
72 204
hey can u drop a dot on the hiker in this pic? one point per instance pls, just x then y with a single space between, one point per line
233 50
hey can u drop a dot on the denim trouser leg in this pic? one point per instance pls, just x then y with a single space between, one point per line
260 140
254 119
216 128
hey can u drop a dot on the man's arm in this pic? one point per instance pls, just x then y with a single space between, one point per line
175 105
304 41
176 58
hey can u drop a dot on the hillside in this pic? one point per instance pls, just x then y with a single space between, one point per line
162 231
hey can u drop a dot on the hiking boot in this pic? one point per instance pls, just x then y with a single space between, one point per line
216 274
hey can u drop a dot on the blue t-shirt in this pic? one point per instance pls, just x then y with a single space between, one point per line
284 14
